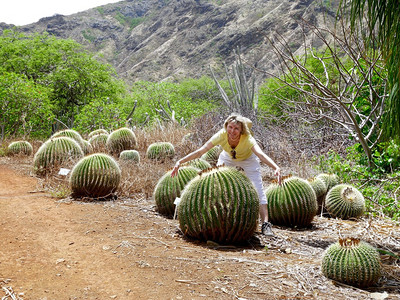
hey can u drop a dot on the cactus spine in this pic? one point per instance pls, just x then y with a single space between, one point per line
19 147
220 204
96 175
345 201
293 203
353 262
169 188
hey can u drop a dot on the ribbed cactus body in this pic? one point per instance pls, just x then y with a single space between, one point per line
293 203
330 180
73 134
198 163
98 142
320 190
130 156
212 155
169 188
97 175
97 131
220 204
120 140
19 147
345 201
352 262
160 150
86 147
55 152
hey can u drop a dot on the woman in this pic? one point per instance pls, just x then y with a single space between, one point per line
240 149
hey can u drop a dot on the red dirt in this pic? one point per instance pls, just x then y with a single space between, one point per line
123 249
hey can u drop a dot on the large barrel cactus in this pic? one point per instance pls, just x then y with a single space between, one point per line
320 190
345 201
97 131
96 176
212 155
98 142
352 262
54 153
19 147
220 204
120 140
130 156
198 163
73 134
169 188
330 180
160 150
293 203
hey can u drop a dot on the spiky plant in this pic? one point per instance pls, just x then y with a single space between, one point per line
330 180
212 155
96 176
97 131
198 163
160 150
320 190
19 147
293 203
352 262
130 156
169 188
345 201
220 204
120 140
54 152
86 147
98 142
73 134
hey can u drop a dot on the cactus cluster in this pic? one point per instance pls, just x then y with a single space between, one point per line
169 188
344 201
160 151
120 140
54 152
220 204
130 156
352 262
96 176
293 203
19 147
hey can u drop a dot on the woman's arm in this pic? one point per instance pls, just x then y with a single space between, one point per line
267 160
193 155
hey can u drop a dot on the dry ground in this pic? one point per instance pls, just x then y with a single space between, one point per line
123 249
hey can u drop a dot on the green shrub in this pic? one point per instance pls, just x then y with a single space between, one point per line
96 176
220 204
19 147
344 201
352 262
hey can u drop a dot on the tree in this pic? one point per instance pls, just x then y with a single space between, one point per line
382 25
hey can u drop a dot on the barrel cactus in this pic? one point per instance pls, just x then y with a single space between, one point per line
96 176
352 262
55 152
120 140
73 134
169 188
220 204
320 190
160 150
293 203
19 147
212 155
130 156
86 147
198 163
330 180
97 131
345 201
98 142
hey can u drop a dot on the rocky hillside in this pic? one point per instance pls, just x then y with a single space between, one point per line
173 39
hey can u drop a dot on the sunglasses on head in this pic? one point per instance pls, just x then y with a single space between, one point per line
233 152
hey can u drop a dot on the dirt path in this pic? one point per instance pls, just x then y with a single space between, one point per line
63 249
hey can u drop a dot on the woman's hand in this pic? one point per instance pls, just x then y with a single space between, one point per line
175 169
278 174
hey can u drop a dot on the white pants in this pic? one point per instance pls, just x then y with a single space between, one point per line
252 169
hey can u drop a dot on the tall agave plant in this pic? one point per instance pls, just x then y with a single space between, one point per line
54 152
130 156
160 150
120 140
220 204
352 262
345 201
19 147
293 203
169 188
97 176
212 155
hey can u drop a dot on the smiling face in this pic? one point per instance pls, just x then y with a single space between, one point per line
234 130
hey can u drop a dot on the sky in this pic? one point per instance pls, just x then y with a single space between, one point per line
23 12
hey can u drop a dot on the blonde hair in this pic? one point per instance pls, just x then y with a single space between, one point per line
238 119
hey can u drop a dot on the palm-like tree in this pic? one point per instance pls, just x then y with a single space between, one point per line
383 22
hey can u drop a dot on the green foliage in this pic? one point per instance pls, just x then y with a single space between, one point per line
97 176
221 205
352 262
292 203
